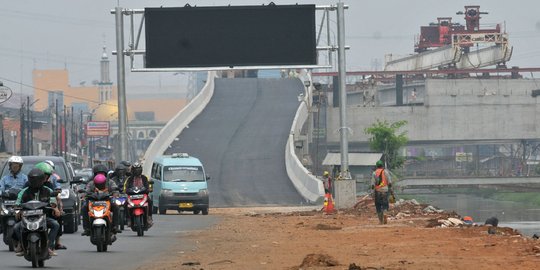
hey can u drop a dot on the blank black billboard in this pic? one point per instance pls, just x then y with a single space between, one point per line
184 37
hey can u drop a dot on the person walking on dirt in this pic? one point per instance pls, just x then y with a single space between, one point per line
381 183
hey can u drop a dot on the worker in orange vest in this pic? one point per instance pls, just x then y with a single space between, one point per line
381 183
327 182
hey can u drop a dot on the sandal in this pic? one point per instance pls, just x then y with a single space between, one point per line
60 246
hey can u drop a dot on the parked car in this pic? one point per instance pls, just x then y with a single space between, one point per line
69 198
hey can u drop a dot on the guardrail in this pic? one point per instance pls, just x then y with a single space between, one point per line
175 126
309 186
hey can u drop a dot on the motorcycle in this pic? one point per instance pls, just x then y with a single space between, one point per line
137 204
121 201
99 211
35 232
7 215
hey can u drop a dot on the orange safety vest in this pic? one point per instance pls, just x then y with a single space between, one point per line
384 181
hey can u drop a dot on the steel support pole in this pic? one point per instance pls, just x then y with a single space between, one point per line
121 76
343 129
328 39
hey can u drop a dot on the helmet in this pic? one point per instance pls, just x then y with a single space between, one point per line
36 177
125 163
136 169
44 167
50 163
325 173
15 159
100 179
379 164
100 168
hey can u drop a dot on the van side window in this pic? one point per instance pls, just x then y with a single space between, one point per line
154 167
158 172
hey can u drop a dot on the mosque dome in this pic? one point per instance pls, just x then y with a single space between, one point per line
108 111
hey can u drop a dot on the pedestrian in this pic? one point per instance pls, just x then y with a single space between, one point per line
364 98
327 182
381 184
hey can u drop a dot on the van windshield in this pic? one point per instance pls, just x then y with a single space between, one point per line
183 174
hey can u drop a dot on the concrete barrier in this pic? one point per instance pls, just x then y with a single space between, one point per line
309 186
175 126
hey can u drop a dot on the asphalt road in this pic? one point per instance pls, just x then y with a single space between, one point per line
240 137
128 252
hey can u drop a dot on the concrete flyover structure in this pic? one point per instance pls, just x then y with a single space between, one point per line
465 181
455 110
180 121
241 137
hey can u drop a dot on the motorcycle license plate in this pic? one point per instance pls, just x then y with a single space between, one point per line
185 205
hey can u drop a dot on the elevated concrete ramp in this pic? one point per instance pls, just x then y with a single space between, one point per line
240 137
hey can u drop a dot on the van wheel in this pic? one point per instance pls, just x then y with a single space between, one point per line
205 211
154 210
196 212
162 210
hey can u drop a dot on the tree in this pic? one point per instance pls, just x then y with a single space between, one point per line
384 138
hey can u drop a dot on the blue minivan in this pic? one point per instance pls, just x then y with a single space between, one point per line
180 183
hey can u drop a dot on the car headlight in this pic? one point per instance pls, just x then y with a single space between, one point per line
64 194
203 192
167 192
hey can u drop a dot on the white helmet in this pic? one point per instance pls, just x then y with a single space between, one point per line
15 159
50 163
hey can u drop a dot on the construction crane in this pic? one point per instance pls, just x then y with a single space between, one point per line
448 45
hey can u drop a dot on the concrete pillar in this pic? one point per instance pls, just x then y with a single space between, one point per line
345 193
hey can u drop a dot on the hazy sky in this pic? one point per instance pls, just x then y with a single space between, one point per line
54 34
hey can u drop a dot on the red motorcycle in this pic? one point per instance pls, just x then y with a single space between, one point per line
137 204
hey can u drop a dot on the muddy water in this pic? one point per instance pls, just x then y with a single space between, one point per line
521 216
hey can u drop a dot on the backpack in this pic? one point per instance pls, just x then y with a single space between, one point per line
380 178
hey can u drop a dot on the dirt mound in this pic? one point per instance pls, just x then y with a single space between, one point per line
317 260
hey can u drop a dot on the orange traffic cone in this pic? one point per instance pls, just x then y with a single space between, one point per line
328 203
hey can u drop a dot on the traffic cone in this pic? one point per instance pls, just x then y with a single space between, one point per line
328 203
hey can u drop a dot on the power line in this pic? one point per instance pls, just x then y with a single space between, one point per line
52 91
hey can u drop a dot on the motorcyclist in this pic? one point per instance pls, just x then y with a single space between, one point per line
52 181
119 176
37 190
137 179
91 187
15 179
127 165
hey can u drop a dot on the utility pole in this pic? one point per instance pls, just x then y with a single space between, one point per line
64 132
3 142
58 131
28 127
22 128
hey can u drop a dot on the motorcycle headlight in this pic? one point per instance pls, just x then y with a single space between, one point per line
32 225
5 211
118 202
64 194
99 213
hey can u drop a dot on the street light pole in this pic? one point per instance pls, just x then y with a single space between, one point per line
121 75
342 93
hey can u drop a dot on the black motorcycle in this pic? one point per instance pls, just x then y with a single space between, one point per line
35 232
121 201
7 215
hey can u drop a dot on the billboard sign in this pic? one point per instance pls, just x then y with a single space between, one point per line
5 93
97 128
230 36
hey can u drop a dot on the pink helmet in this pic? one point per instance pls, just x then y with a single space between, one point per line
100 179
